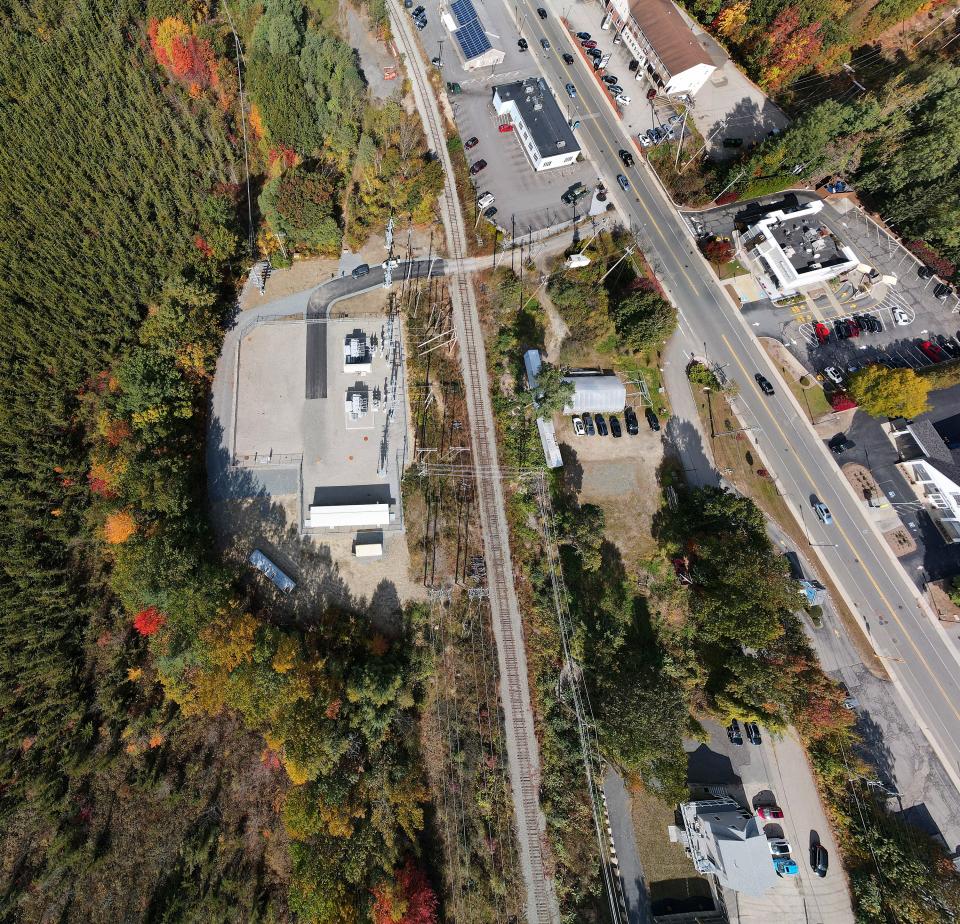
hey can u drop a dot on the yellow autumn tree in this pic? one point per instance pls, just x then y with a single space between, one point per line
731 19
119 527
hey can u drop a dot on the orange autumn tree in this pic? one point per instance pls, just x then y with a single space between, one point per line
185 56
119 527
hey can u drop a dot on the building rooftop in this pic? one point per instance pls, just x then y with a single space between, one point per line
725 839
807 245
674 41
541 114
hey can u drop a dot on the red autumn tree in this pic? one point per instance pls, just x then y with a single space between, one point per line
149 621
718 250
841 401
409 900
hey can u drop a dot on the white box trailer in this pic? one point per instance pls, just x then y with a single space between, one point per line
337 516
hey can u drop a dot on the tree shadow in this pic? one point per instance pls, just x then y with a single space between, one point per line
684 443
572 469
872 748
746 120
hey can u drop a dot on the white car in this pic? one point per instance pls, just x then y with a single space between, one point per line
832 373
779 847
578 427
900 316
644 139
623 99
485 200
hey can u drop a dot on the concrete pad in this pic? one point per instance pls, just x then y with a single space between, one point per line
271 388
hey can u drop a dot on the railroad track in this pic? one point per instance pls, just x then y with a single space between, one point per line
522 750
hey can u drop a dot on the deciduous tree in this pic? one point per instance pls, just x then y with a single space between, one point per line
884 392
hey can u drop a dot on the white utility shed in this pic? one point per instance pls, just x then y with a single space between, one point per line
344 515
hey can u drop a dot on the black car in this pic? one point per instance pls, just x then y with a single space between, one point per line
522 44
733 732
948 345
630 419
601 424
478 166
421 24
471 142
819 859
595 53
924 272
588 425
753 732
764 384
490 212
541 12
610 80
626 157
840 444
941 290
615 427
418 11
583 36
651 419
567 58
634 65
840 329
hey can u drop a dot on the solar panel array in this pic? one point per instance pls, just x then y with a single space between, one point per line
464 11
472 39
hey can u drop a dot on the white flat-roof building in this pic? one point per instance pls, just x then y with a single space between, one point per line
724 839
663 43
339 516
595 393
356 354
539 123
790 251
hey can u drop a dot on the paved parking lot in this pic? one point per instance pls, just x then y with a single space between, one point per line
530 199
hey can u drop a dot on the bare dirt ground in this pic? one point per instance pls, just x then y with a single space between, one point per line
304 274
861 480
939 596
619 476
557 331
900 541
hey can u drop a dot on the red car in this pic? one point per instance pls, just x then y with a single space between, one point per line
471 142
589 44
932 351
853 329
770 812
505 127
822 332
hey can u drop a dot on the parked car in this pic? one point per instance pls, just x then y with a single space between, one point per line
900 317
594 52
571 91
522 44
832 373
436 62
652 420
644 139
362 270
578 427
623 182
840 329
634 65
853 329
948 345
753 732
567 58
733 733
821 332
505 127
932 351
490 212
819 859
588 43
485 200
407 4
764 384
823 513
784 866
541 12
454 88
588 425
544 44
583 36
623 99
651 93
840 444
471 142
421 24
418 11
941 290
478 166
779 847
615 429
769 812
610 79
601 424
626 157
733 142
630 419
924 272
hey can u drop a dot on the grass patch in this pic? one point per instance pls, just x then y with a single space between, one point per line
730 269
738 461
661 860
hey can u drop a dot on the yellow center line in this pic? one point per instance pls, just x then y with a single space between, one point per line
853 551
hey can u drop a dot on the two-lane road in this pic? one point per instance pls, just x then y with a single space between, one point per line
903 632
